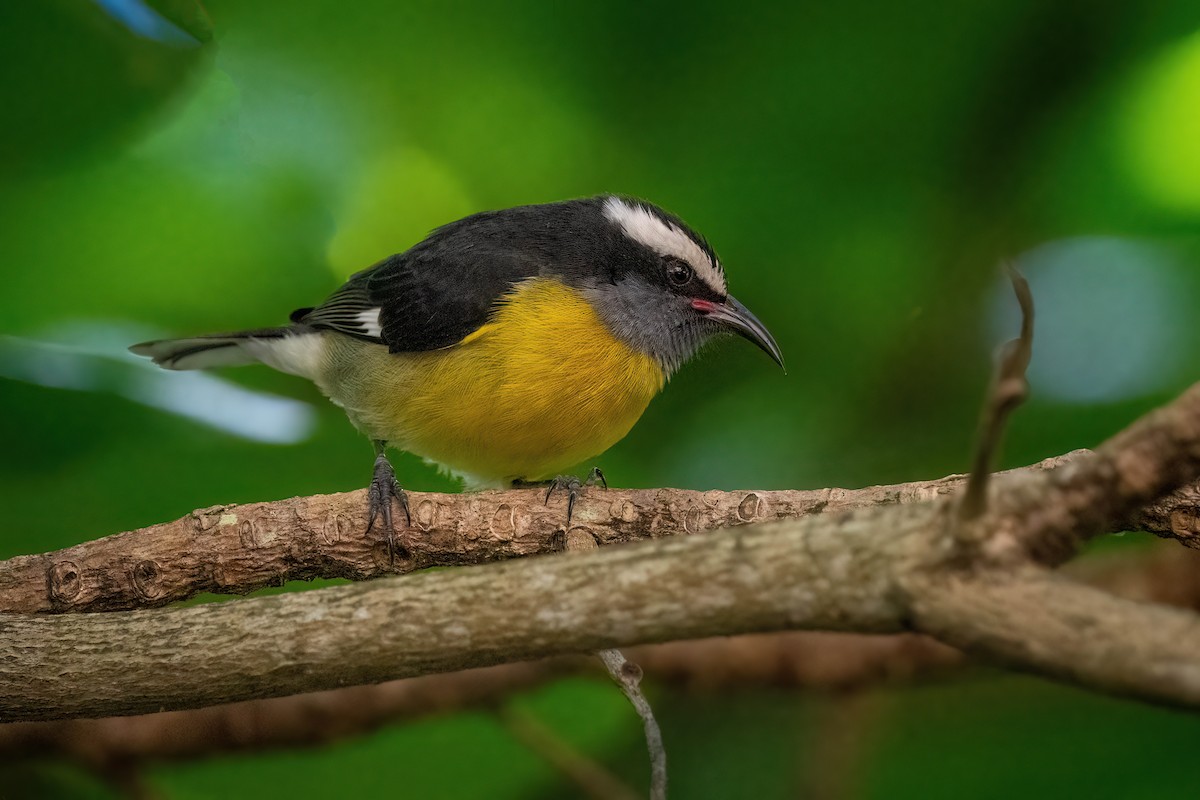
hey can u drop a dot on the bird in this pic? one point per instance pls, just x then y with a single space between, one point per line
505 347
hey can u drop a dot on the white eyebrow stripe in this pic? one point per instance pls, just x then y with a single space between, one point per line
646 227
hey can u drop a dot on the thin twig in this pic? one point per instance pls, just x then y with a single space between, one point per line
591 778
628 676
1008 390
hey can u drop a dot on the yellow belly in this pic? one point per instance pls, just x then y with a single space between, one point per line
540 388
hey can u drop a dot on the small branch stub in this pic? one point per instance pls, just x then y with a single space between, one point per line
1008 390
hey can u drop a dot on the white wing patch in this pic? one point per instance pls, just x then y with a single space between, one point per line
646 227
369 322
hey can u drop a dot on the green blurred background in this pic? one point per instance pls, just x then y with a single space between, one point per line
861 168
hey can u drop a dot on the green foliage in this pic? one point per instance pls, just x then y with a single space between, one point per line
860 167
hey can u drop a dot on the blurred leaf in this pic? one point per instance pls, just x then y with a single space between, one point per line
79 81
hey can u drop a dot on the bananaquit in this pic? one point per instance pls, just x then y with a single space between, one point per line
506 346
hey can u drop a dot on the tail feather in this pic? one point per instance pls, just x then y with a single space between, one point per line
289 349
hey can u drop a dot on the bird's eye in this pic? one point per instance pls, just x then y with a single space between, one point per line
678 272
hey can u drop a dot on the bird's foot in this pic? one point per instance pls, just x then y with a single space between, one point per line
574 487
384 488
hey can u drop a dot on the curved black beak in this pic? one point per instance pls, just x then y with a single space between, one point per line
738 318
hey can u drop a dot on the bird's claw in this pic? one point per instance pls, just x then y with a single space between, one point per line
594 476
384 487
574 487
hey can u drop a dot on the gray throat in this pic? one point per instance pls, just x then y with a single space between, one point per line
663 327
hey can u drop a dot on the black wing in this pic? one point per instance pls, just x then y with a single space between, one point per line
444 288
412 303
433 295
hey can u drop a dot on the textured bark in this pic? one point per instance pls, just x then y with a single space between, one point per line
826 573
792 659
1113 488
237 549
885 568
803 659
1081 636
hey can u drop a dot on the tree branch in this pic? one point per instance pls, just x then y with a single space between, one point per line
1120 482
1040 622
252 726
687 587
804 659
237 549
874 570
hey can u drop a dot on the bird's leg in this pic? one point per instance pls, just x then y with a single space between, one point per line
574 487
384 487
